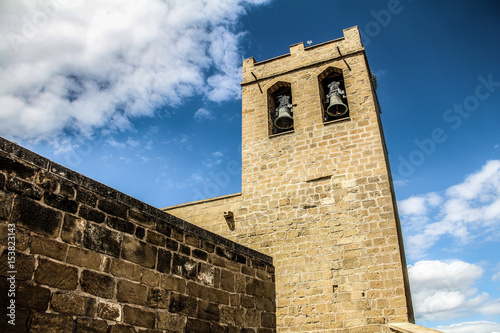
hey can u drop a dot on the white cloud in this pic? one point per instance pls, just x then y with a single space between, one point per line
84 65
473 326
445 289
203 114
467 211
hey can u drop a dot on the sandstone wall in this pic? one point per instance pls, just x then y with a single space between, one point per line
88 258
318 199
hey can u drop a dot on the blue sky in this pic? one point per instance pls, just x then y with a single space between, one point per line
145 97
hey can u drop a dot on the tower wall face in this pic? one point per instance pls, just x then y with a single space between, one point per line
318 199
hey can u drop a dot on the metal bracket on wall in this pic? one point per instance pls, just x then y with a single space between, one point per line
258 83
345 62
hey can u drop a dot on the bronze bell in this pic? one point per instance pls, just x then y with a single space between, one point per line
284 119
336 108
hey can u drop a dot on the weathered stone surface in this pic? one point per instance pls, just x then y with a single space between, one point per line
51 323
56 275
139 252
110 311
155 238
208 311
20 169
158 298
86 325
101 239
121 268
164 261
24 266
60 202
90 214
33 297
112 208
97 284
129 292
140 232
138 317
36 217
48 247
121 329
171 322
140 218
72 304
197 326
23 188
184 266
86 197
83 258
73 229
182 304
120 224
173 283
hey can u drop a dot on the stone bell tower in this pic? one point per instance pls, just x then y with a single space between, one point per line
317 193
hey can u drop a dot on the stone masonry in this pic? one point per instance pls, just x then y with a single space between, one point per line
78 256
318 199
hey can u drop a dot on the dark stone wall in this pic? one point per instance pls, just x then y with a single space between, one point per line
78 256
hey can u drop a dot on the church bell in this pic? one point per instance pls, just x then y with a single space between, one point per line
336 107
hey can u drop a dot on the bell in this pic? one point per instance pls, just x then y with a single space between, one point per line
284 119
336 108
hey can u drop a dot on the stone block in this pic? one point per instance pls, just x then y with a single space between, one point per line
87 325
141 218
139 252
33 297
138 317
100 239
121 329
109 311
182 304
164 261
83 258
171 322
197 326
73 229
51 323
121 268
208 311
20 169
56 275
112 208
156 239
60 202
24 265
23 188
97 284
35 217
120 224
158 298
72 304
173 283
90 214
86 197
130 292
48 247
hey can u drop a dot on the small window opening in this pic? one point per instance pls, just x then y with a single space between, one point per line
280 108
333 97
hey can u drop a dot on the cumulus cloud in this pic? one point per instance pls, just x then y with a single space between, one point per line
467 211
82 65
445 289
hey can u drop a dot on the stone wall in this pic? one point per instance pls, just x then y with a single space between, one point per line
318 199
78 256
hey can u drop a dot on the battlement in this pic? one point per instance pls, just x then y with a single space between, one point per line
300 57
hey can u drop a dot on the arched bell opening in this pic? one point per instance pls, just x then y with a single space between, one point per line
332 93
280 109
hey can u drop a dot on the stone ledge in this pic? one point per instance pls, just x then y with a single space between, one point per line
410 328
25 155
